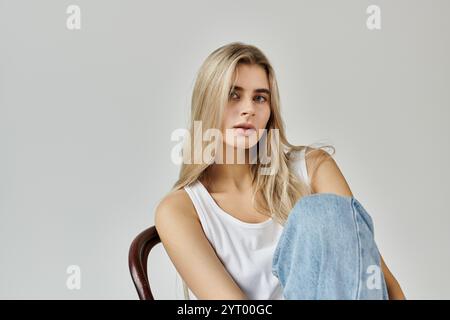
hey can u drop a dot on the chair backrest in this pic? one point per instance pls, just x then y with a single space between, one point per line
137 261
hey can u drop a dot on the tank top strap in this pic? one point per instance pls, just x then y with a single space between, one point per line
299 165
303 165
202 206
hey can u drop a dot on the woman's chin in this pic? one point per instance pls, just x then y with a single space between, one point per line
242 145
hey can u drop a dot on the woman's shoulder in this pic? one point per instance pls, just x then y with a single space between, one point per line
309 153
307 159
175 204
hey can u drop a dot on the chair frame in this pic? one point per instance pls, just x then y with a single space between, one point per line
138 253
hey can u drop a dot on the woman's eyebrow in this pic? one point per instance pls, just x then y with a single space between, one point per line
260 90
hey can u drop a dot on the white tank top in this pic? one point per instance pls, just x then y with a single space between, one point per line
245 249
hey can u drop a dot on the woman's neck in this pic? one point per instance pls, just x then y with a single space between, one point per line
229 177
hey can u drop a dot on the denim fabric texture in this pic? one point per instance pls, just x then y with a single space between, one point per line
327 251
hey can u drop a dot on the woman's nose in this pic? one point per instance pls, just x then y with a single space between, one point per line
248 108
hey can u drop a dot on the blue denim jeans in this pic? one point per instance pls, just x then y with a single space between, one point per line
327 250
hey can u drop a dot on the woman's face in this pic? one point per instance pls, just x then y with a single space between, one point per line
248 105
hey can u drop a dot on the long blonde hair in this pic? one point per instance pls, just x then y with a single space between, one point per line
281 189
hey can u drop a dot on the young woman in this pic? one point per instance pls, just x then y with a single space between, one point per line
223 220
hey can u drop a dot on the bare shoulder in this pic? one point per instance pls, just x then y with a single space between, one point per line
190 251
325 174
175 205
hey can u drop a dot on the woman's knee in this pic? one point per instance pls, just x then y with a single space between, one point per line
324 213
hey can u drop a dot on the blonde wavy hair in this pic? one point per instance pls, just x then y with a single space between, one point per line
280 190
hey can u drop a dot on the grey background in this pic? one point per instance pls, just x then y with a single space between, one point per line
86 118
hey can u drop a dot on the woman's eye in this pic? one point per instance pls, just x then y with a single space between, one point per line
261 99
233 95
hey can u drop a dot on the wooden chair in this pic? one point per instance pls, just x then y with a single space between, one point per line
137 261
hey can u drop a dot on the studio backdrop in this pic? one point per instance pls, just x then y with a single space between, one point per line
91 92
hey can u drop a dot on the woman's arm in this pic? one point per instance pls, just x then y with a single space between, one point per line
191 253
394 290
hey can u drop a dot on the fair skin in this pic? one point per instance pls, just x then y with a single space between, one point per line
250 103
177 222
